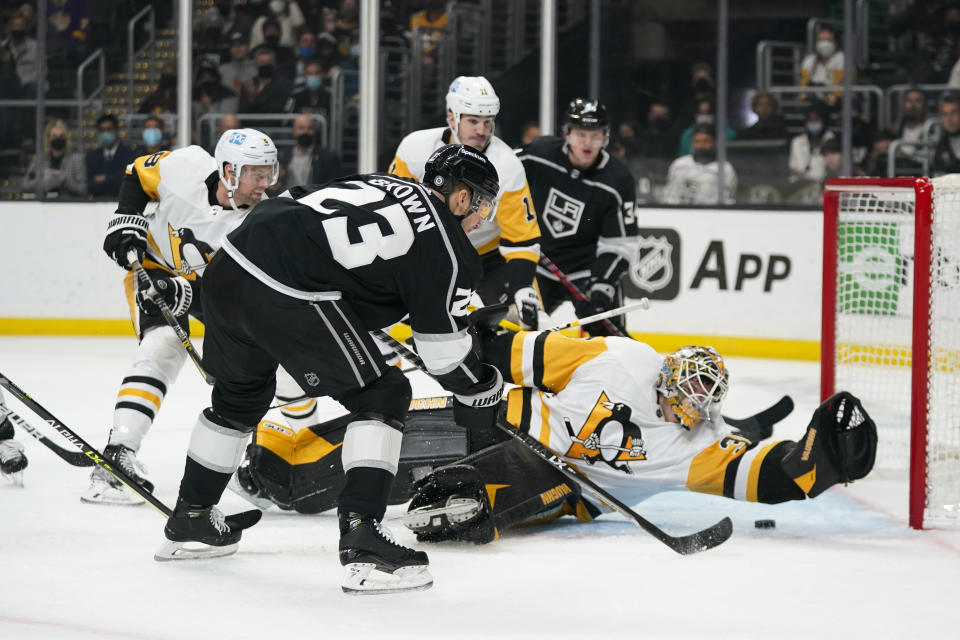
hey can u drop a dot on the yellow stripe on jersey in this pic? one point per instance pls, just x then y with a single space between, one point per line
517 217
399 168
708 470
753 479
549 364
490 246
148 172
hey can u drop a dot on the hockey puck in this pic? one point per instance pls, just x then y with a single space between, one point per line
765 524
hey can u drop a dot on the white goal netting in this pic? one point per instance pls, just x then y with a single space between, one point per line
875 319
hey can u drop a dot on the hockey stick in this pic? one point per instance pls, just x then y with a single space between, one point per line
760 426
95 456
684 545
147 284
577 294
603 315
75 458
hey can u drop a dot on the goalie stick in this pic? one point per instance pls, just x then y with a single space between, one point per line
577 294
147 284
684 545
75 458
94 456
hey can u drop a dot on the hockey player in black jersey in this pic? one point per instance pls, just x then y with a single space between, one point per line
301 284
584 199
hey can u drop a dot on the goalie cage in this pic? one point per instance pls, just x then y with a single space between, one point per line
891 326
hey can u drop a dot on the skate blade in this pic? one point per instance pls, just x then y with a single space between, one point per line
121 497
260 503
171 550
363 578
16 478
456 510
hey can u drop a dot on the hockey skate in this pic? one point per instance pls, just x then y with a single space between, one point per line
375 563
12 461
196 532
106 489
439 516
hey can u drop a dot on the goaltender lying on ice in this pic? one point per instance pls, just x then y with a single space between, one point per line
633 422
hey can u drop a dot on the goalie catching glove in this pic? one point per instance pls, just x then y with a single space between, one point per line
125 233
840 446
175 291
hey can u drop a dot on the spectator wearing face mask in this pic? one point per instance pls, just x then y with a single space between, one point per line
308 162
106 164
268 92
806 161
703 115
310 96
694 178
306 50
62 173
209 94
824 66
152 137
286 16
21 50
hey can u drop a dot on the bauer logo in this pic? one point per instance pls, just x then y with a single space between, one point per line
655 269
562 214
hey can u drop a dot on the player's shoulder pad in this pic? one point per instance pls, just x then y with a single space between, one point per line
543 146
418 145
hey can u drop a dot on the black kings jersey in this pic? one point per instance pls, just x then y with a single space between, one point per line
586 218
386 243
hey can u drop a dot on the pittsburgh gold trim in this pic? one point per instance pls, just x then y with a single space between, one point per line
76 327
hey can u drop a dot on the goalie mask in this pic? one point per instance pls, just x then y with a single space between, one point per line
694 382
242 147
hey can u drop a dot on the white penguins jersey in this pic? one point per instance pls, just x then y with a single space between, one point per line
188 225
514 229
595 403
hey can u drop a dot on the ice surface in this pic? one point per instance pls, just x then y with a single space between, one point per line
842 566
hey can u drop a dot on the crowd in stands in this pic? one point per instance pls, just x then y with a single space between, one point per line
282 57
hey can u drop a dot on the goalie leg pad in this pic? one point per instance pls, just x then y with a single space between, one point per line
840 446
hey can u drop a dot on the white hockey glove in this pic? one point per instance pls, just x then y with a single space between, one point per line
526 309
175 291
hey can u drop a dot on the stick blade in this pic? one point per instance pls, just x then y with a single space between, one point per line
702 540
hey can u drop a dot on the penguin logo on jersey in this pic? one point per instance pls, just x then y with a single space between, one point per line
562 214
607 436
189 253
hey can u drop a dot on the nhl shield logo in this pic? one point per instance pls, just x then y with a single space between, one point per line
652 270
562 214
312 378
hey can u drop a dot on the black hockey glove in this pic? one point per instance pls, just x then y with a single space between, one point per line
526 308
478 408
126 232
602 298
175 291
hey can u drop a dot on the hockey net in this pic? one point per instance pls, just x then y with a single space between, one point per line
891 326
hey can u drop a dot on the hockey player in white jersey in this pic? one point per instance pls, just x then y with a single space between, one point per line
509 243
694 178
200 199
636 424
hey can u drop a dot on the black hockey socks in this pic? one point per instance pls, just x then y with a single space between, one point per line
366 492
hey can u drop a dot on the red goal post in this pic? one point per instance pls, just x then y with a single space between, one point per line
890 329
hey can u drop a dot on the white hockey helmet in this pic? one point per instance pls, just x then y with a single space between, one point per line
241 147
694 382
473 96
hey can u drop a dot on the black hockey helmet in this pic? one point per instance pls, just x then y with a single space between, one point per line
454 164
584 114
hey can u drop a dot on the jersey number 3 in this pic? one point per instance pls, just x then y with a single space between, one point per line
374 243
